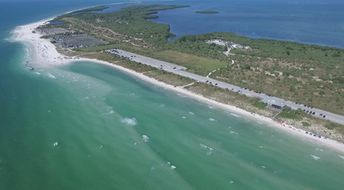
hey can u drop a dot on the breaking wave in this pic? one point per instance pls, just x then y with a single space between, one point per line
129 121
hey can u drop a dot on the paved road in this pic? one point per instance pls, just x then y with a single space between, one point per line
270 100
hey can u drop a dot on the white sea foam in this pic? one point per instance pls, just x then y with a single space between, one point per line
315 157
145 138
235 115
341 156
110 111
182 95
184 117
51 76
129 121
55 144
207 148
212 119
191 113
171 165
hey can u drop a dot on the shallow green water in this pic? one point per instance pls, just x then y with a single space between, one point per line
87 126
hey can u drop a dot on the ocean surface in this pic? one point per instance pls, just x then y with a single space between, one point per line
87 126
306 21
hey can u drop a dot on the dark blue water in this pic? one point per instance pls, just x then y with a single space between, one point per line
316 21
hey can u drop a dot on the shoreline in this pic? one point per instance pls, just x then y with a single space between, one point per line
43 53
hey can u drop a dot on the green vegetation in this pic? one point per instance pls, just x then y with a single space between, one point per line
172 79
306 124
197 64
207 12
308 74
259 104
331 125
291 114
131 22
334 127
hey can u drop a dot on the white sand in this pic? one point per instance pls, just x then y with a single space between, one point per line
44 53
41 51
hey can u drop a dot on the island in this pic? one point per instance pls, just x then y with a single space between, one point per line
298 86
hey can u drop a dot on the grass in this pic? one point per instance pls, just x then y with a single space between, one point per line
260 104
197 64
334 126
331 125
169 78
291 114
306 124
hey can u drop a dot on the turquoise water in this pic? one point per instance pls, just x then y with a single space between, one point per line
87 126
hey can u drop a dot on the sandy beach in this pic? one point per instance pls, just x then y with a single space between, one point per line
42 53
